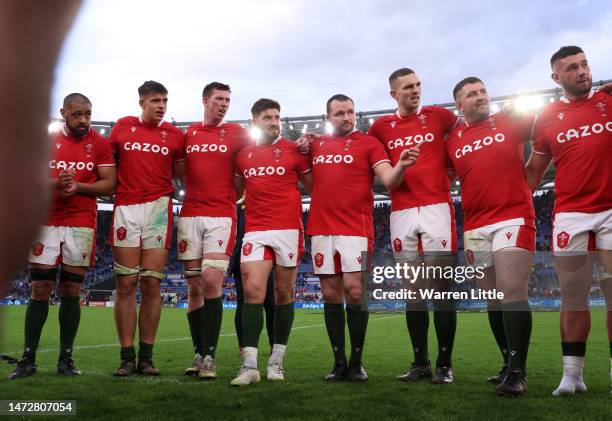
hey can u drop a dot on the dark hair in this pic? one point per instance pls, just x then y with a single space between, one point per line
404 71
215 85
264 104
337 97
75 97
151 86
464 82
565 51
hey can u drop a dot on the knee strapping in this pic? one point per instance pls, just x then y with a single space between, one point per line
215 264
43 274
152 274
71 277
190 273
119 269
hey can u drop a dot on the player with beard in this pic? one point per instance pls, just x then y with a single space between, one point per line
499 223
274 238
207 223
148 152
82 167
344 165
576 133
422 216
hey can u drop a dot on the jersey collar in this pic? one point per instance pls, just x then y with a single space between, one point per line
67 133
147 124
397 114
273 143
567 101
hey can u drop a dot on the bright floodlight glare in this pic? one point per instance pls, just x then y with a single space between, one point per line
371 120
255 132
528 103
494 108
54 127
102 131
456 112
328 128
551 100
304 130
181 192
305 126
291 127
318 125
457 183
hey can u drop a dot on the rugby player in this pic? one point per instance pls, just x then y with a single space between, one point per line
499 223
82 167
576 133
422 216
147 150
340 223
269 172
207 223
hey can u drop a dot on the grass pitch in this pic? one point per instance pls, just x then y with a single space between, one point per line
305 394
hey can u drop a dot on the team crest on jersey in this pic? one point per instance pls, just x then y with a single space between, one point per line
508 235
164 135
37 249
443 242
121 233
563 239
221 133
182 246
393 123
560 115
133 129
278 153
247 248
58 145
318 259
492 123
469 256
89 150
397 244
347 144
601 107
423 119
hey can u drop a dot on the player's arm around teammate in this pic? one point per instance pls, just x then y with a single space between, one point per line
82 167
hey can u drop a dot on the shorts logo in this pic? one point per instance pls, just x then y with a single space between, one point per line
182 246
359 259
247 248
508 235
562 239
290 256
84 255
121 233
397 244
318 259
37 249
443 242
220 242
469 255
159 238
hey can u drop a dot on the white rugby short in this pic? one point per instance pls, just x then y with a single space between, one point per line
284 247
422 230
74 246
332 254
582 232
480 243
198 235
147 225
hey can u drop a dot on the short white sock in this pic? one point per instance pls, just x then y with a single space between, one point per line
572 380
278 352
250 356
573 366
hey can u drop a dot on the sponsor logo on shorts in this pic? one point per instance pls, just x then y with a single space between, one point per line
443 242
84 255
247 248
359 259
290 256
220 242
159 238
397 244
508 235
563 239
37 249
469 255
318 259
121 233
182 246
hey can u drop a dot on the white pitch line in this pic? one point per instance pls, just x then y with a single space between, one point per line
181 339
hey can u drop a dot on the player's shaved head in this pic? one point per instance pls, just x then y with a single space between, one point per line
404 71
337 97
208 89
150 86
75 97
565 51
462 83
264 104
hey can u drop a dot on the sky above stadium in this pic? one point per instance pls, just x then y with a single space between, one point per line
300 52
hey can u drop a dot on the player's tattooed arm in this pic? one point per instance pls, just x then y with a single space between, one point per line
536 168
391 177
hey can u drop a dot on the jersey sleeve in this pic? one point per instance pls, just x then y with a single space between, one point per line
303 162
104 153
540 145
115 136
374 130
237 164
377 154
179 154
